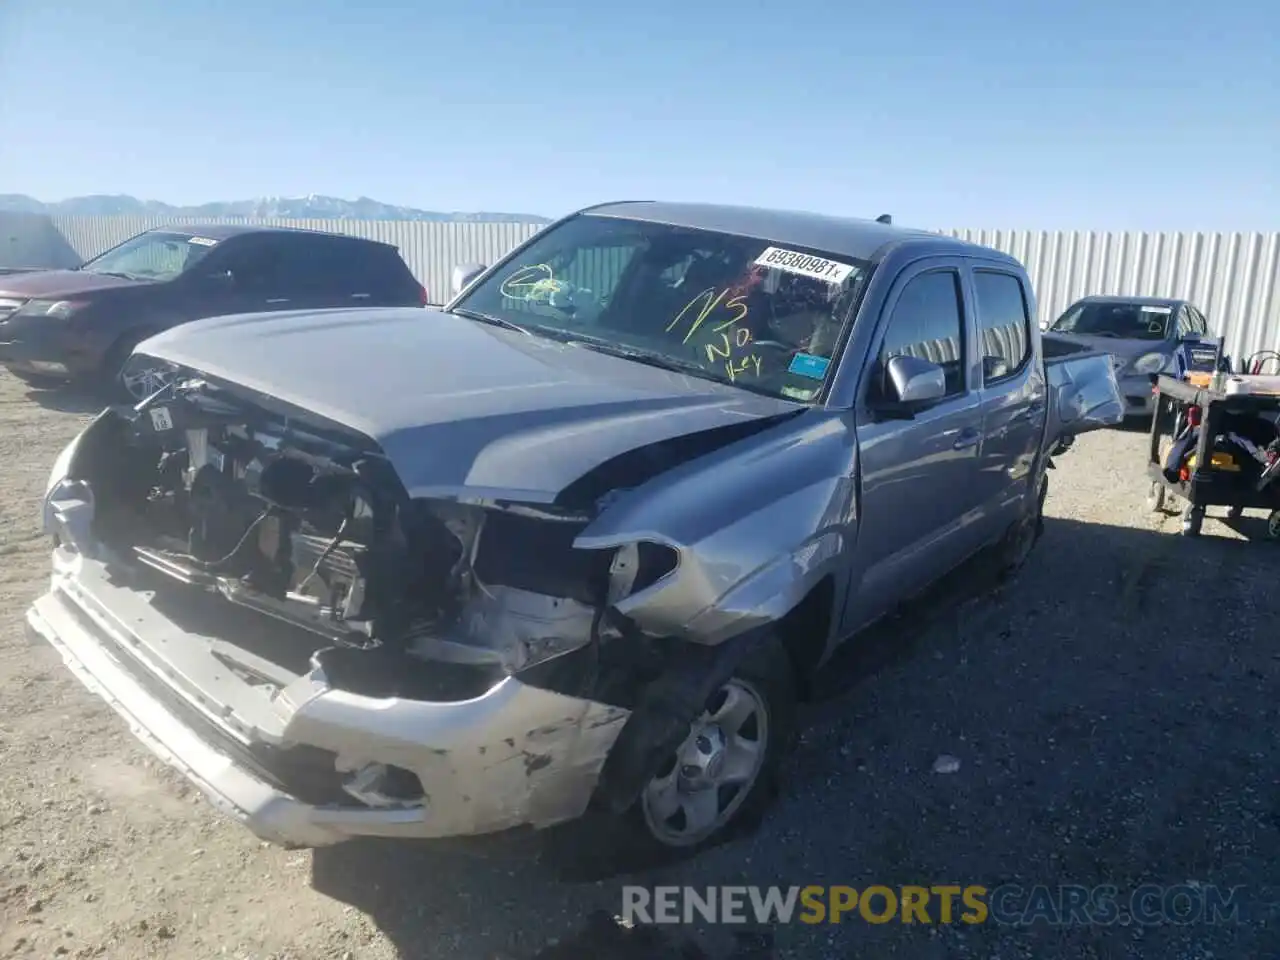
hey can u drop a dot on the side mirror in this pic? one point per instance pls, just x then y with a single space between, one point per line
911 384
464 274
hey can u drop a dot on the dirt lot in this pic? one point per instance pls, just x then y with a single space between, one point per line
1113 713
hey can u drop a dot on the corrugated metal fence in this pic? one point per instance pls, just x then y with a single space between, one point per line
1233 277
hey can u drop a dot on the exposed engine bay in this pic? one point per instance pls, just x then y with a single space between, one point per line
304 521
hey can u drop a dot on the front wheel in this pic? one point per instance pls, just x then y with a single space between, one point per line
1273 526
724 772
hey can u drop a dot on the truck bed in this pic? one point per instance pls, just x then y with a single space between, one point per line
1083 392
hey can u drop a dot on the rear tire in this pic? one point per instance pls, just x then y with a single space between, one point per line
1015 549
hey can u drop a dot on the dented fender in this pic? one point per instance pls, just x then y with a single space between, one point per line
755 526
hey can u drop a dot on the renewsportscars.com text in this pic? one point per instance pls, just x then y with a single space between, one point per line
1008 904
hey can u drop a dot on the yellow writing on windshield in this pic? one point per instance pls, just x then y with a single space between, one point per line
733 339
525 282
734 366
708 300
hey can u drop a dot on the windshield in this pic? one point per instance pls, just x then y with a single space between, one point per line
1128 321
152 256
762 316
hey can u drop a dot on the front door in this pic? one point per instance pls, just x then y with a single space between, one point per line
917 475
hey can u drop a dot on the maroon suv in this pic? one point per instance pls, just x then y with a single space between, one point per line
82 324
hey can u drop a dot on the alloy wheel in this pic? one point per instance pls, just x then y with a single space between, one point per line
710 775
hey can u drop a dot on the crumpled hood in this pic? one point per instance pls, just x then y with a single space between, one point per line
46 284
459 407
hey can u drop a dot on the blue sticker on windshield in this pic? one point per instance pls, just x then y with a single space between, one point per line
808 365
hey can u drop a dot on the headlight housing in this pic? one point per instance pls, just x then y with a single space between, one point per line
1150 363
58 309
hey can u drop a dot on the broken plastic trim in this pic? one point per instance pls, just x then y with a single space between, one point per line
498 624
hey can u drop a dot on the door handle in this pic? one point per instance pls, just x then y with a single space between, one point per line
968 438
279 300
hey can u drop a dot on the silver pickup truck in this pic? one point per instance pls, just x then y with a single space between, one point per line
577 541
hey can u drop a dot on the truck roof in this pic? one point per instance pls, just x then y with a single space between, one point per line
849 236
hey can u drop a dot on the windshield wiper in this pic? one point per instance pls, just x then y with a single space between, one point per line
115 273
491 319
663 362
650 357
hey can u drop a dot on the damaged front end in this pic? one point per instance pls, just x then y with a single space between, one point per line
250 583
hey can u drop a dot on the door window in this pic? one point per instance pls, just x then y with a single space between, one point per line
927 322
1004 322
1183 327
254 265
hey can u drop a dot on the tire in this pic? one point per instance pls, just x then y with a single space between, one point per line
756 705
1155 497
1015 548
1273 526
604 844
1192 521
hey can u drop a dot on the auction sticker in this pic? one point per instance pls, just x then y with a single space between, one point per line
804 264
202 241
809 365
160 418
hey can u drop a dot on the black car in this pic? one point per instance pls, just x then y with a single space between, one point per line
82 325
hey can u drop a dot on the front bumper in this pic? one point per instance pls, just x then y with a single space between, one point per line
46 347
34 349
514 756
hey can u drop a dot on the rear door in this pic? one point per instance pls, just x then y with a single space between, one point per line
380 277
1013 392
264 269
314 272
326 271
917 475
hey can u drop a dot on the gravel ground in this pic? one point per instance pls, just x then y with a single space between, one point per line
1111 710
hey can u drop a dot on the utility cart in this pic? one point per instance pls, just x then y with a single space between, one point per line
1197 418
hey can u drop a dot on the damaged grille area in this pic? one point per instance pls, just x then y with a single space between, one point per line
300 520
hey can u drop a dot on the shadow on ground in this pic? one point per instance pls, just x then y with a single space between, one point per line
1113 707
66 399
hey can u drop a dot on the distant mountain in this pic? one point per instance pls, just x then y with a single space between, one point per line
287 208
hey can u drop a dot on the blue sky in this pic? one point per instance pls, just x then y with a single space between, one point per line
1128 114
